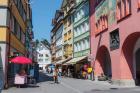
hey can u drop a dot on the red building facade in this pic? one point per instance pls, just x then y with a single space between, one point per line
115 39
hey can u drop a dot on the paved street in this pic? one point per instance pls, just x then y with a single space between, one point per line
68 85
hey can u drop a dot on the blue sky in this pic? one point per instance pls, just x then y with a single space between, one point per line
43 12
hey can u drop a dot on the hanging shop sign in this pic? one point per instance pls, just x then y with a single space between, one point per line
114 40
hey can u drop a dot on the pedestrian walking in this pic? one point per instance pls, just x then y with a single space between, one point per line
60 72
55 75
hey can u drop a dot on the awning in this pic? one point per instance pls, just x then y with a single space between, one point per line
59 62
63 61
75 60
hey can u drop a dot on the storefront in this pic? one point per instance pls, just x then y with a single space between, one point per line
79 66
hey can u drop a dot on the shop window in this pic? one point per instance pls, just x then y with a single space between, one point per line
138 4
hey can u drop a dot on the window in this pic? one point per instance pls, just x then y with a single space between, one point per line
40 60
69 21
78 47
82 13
118 10
82 28
12 23
87 43
40 55
20 8
128 7
46 55
139 4
78 15
15 26
69 34
101 24
65 37
22 37
86 26
123 8
75 48
78 31
86 9
46 59
75 17
83 44
18 31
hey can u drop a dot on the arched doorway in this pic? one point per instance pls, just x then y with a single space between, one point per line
103 62
137 57
130 58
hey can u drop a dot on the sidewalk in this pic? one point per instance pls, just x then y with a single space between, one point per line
89 86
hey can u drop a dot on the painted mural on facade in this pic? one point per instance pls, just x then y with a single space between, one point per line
107 7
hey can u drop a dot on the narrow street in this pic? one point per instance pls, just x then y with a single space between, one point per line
70 85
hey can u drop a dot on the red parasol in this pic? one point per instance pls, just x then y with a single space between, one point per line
21 60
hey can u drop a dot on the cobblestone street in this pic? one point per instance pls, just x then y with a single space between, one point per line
69 85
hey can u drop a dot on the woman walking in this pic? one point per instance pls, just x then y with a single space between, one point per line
55 75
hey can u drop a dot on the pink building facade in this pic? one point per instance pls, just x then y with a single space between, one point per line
115 40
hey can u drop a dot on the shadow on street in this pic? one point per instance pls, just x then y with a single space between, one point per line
43 77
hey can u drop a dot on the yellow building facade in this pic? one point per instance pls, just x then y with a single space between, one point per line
13 27
68 29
